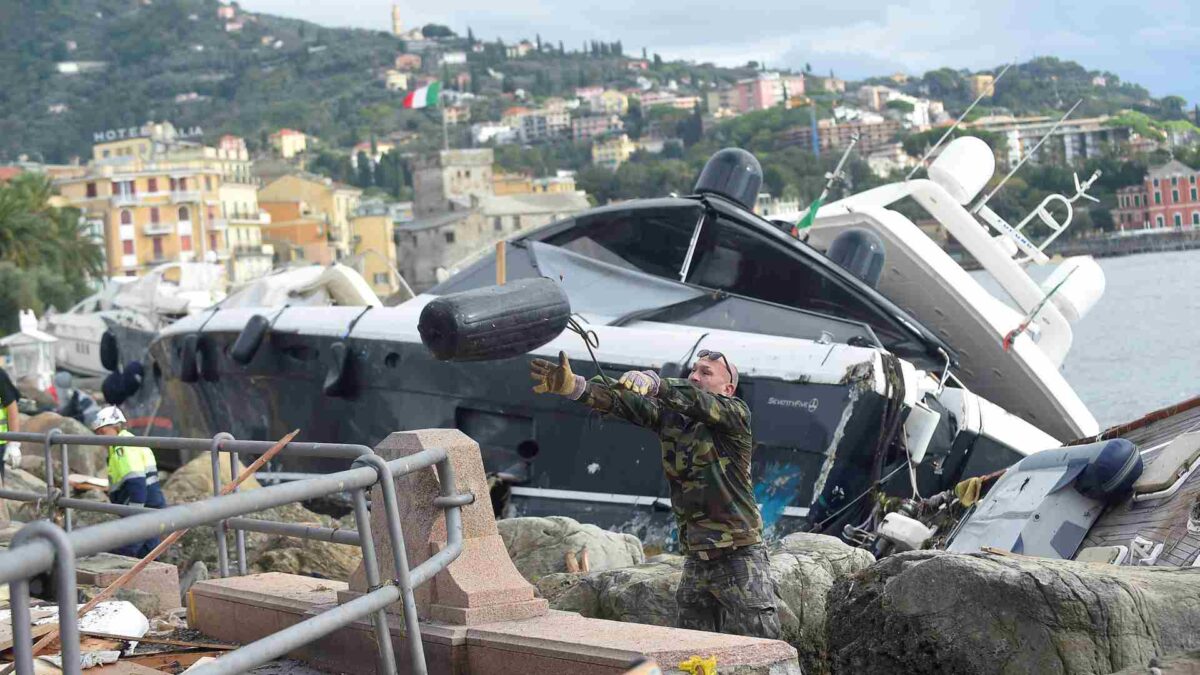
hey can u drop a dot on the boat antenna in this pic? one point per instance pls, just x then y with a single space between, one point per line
986 92
831 178
1024 159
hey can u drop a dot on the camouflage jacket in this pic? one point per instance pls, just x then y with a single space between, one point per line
706 447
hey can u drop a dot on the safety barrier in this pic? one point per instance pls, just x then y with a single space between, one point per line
41 545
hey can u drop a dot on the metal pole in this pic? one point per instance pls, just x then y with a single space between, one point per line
1024 159
47 439
399 559
64 581
22 632
350 451
383 635
332 535
290 639
454 529
38 557
983 94
214 450
66 477
239 537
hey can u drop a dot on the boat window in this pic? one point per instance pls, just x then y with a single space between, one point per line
653 240
730 257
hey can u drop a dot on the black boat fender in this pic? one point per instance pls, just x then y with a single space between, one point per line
494 322
337 369
109 354
188 371
339 363
131 378
249 340
113 388
207 363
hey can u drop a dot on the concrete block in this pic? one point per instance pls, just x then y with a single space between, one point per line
158 579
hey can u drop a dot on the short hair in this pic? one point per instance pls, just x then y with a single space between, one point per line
724 360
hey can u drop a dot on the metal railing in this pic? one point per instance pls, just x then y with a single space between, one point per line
41 545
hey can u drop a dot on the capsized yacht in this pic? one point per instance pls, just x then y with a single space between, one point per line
867 355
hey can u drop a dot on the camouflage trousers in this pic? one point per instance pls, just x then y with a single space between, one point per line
732 594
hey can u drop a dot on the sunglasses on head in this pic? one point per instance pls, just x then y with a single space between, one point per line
713 356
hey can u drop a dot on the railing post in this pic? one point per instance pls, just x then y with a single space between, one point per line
64 581
66 474
383 635
47 439
214 451
239 537
400 559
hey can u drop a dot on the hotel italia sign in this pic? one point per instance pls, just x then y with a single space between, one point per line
144 131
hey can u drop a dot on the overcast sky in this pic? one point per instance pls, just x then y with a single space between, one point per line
1153 43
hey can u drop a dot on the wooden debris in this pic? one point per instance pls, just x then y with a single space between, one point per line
158 641
166 543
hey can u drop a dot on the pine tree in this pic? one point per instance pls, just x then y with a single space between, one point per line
470 37
538 38
561 50
644 57
364 177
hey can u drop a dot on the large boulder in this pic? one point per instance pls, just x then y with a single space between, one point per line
193 481
25 512
642 593
90 460
309 558
539 546
937 612
805 567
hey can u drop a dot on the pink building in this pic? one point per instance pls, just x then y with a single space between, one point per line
766 91
408 62
592 126
1168 198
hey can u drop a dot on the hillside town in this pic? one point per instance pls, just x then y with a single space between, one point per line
376 346
155 193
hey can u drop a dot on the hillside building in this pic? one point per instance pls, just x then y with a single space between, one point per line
459 177
1167 198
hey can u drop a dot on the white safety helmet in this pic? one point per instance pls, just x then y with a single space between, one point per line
108 416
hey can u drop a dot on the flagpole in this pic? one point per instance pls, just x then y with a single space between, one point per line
445 132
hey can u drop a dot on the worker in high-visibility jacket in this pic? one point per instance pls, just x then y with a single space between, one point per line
132 474
10 420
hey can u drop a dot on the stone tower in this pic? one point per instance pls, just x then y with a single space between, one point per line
397 24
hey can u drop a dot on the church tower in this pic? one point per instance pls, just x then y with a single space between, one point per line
397 24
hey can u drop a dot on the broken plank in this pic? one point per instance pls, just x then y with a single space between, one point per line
171 662
158 641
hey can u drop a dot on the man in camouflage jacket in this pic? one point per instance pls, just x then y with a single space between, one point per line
706 446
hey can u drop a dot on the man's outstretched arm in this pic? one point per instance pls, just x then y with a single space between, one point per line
596 394
721 412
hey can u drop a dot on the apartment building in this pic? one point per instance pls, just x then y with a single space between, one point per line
154 197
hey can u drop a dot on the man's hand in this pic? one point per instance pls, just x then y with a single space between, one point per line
556 379
641 382
12 454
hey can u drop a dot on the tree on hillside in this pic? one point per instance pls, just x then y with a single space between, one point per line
48 257
433 31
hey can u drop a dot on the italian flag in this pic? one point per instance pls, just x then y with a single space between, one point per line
425 97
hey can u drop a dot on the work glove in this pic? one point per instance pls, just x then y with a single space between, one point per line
12 454
641 382
556 379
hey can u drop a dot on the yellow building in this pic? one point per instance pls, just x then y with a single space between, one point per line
511 183
611 101
374 252
289 142
155 198
982 83
332 202
613 152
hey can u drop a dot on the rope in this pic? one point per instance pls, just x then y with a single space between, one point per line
1016 332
